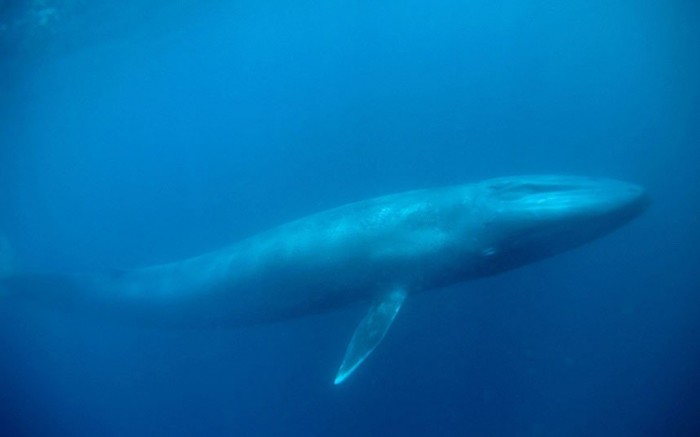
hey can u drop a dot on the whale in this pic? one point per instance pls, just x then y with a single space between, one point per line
378 252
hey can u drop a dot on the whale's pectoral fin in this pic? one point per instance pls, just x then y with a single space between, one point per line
370 332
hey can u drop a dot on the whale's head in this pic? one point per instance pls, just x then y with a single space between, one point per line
528 218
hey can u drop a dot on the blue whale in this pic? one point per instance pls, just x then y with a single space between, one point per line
378 251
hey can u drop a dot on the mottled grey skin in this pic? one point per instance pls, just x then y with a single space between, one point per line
412 241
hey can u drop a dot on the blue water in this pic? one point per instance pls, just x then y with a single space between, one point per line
153 134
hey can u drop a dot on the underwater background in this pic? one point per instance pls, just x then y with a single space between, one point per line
139 132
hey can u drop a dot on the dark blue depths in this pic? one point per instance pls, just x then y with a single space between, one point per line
174 132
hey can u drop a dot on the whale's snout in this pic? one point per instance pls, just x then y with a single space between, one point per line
615 197
634 198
